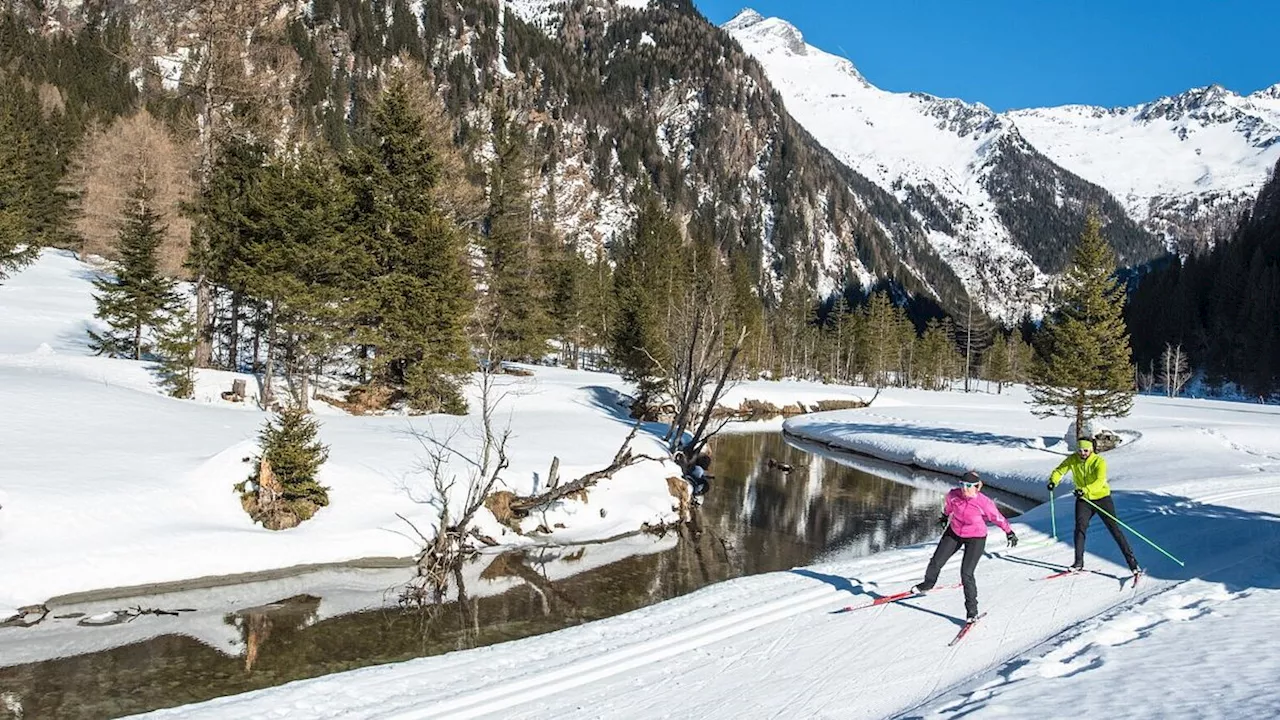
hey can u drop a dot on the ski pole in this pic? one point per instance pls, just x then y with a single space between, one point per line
1135 532
1053 517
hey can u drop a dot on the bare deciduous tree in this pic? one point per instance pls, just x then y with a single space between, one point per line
703 356
1175 369
455 539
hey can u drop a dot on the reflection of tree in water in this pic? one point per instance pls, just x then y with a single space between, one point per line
782 519
257 623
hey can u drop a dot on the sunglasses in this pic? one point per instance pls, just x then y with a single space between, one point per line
969 485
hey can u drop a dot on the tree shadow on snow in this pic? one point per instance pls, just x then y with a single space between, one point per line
618 405
1219 544
918 432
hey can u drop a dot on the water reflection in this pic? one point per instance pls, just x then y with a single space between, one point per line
757 518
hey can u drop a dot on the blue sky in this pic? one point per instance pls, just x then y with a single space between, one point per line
1030 53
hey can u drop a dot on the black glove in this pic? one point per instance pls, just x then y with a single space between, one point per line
1078 493
1013 539
1050 485
943 521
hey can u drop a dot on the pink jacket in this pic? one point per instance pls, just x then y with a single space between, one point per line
969 516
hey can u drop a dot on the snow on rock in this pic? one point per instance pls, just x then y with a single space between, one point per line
912 145
1208 144
1183 166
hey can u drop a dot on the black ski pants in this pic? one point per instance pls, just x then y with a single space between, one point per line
1084 513
947 546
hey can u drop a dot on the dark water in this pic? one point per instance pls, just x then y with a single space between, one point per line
756 519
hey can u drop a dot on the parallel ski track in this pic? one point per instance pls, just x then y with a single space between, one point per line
630 657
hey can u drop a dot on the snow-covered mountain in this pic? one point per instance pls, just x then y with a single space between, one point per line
1185 166
1003 215
1182 166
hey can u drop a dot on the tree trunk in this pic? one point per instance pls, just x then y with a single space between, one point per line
267 392
204 330
233 334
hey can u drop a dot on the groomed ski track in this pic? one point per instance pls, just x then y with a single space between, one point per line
768 646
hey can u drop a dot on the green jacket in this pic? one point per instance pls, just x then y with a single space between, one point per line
1089 475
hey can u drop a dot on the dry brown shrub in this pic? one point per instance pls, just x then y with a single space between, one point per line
499 503
499 568
825 405
361 400
679 490
106 171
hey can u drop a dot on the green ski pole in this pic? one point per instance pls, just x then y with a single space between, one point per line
1135 532
1053 517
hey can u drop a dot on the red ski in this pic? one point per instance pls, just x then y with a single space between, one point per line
892 598
965 630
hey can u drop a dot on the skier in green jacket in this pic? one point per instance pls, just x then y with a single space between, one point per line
1089 473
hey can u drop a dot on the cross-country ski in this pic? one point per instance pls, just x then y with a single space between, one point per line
964 630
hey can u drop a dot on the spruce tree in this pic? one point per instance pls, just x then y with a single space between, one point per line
569 278
293 455
879 346
135 299
295 258
410 311
1085 368
650 277
176 352
997 365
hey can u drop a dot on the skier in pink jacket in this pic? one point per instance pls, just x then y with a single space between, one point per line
964 521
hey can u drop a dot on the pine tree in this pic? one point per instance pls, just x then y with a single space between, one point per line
218 235
296 260
878 347
649 279
176 350
135 299
1085 368
284 478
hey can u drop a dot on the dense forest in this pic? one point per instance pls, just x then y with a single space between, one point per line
1219 313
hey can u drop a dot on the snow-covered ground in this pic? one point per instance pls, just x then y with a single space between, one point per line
1201 478
107 483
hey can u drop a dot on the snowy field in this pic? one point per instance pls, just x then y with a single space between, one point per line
1198 477
107 483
